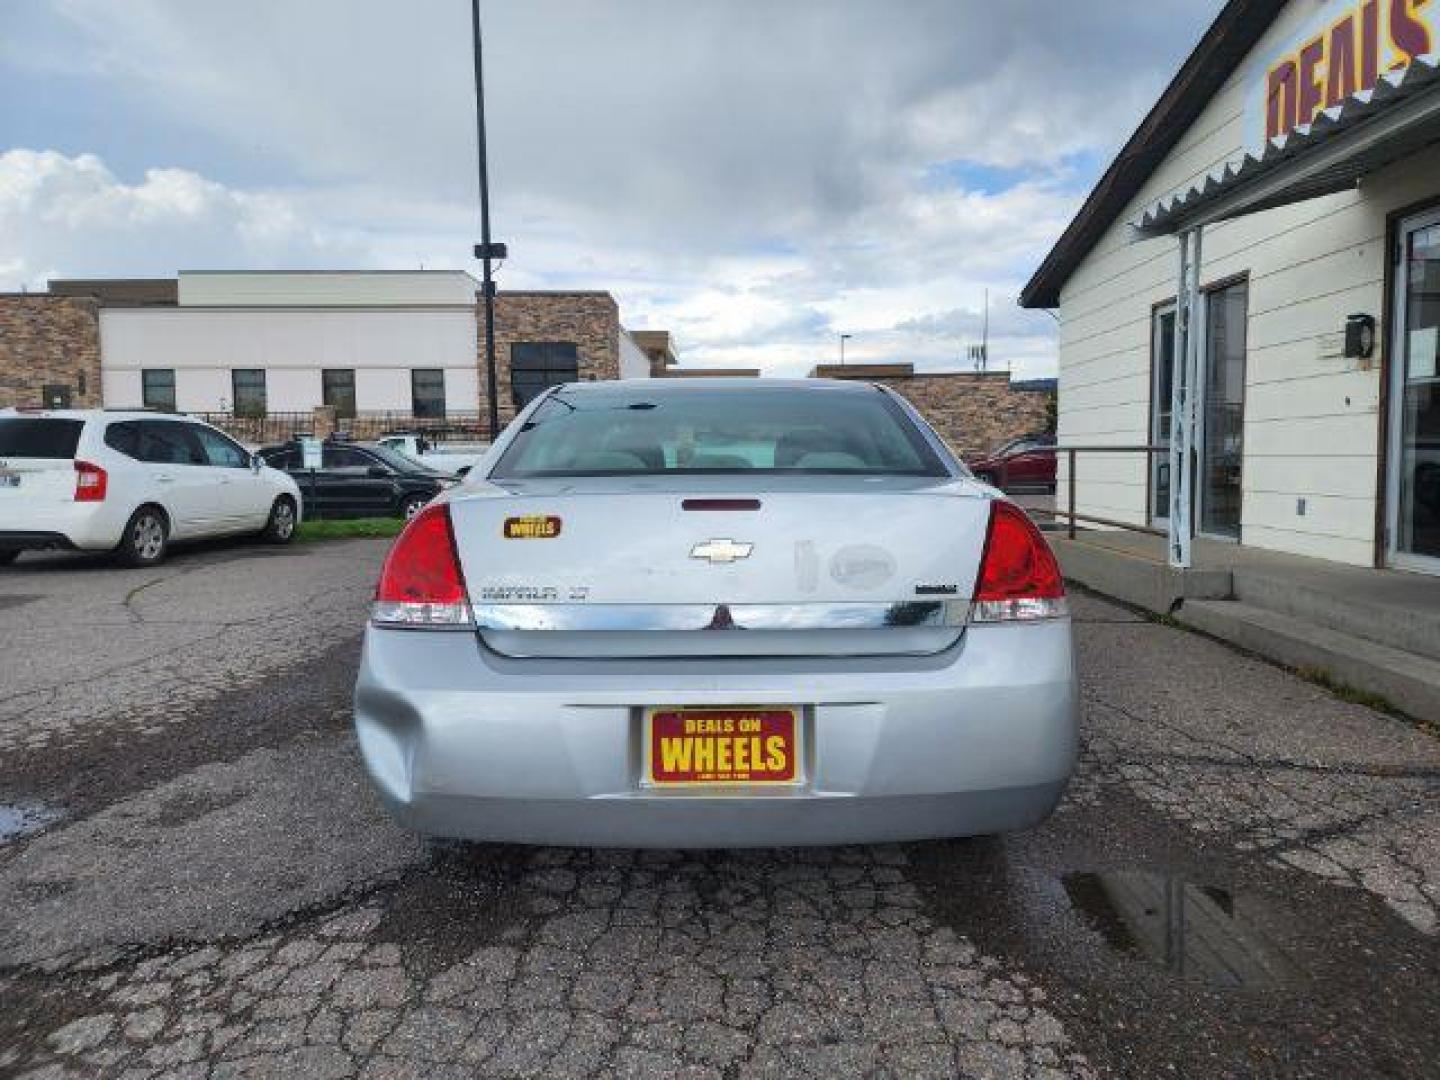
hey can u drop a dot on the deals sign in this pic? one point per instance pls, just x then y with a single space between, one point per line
1340 50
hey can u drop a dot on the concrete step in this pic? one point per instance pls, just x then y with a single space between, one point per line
1391 609
1409 681
1134 579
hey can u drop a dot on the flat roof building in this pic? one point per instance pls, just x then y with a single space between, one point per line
393 343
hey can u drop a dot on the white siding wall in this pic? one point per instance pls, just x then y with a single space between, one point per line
292 345
1311 417
634 364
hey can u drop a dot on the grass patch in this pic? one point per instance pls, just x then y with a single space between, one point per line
348 528
1324 678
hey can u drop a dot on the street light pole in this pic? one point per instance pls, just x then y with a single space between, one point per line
485 250
843 338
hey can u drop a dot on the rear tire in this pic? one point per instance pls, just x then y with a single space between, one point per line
412 505
8 557
145 539
280 528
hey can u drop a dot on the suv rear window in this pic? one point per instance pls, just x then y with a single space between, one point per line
607 432
39 437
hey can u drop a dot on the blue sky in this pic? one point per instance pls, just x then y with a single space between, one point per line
756 178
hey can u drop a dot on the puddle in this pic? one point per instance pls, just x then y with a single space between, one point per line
1195 931
24 818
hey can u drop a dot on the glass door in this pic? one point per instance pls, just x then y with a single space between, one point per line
1413 494
1222 410
1162 396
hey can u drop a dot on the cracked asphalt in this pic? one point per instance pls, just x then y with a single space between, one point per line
195 879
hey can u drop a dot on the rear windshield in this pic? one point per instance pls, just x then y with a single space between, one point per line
39 437
623 432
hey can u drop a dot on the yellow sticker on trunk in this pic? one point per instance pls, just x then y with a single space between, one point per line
532 527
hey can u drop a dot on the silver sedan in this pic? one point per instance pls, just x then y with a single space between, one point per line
718 613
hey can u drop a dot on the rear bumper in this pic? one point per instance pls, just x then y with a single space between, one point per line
13 540
72 526
463 743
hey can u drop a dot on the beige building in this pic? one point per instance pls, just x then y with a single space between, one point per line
1295 159
403 343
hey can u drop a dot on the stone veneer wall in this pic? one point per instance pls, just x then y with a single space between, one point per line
590 320
974 412
46 340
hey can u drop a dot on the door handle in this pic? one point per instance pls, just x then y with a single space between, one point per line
165 478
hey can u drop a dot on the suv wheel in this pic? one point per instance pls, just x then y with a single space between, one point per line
146 536
280 529
412 505
8 557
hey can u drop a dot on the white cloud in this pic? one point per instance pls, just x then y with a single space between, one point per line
64 215
755 177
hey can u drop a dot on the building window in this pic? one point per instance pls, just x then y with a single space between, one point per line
427 392
535 366
337 387
157 389
249 391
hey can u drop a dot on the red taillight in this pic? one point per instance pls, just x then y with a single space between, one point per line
1019 577
421 584
90 482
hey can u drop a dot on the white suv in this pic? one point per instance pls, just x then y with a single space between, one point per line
131 482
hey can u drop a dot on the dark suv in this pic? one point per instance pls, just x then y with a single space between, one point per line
358 480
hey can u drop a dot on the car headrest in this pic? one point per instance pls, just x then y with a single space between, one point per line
829 459
607 461
789 449
719 461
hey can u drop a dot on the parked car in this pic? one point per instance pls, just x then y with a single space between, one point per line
454 458
1028 462
131 483
359 480
629 632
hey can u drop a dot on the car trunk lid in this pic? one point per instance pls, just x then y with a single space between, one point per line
706 566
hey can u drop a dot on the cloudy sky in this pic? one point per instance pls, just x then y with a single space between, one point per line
755 176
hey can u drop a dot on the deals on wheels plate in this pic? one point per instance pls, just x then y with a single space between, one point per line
685 747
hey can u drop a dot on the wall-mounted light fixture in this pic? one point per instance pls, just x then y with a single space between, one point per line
1359 337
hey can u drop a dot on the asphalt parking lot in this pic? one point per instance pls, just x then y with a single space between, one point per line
196 880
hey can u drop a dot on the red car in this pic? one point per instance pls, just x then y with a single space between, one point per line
1027 462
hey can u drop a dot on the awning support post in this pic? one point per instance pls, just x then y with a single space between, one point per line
1184 417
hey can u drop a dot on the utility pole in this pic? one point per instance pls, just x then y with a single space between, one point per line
485 251
844 338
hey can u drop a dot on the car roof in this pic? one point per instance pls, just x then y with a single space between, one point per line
758 385
95 414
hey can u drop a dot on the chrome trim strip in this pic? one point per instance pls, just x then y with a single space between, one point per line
690 617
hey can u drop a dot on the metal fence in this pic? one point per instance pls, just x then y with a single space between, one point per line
279 427
259 430
453 426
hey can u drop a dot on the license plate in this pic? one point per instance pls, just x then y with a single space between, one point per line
722 746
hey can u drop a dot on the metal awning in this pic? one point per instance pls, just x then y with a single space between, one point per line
1398 117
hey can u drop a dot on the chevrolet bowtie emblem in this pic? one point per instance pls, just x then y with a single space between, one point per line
721 551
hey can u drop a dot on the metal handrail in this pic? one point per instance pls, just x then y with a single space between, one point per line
1070 514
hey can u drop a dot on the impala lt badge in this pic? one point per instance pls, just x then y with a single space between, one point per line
721 551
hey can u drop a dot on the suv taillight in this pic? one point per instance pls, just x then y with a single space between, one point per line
1019 577
90 482
421 585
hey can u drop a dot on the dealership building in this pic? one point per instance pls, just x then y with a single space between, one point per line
1254 284
405 343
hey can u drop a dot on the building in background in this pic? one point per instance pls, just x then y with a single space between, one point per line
1301 143
385 343
974 412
